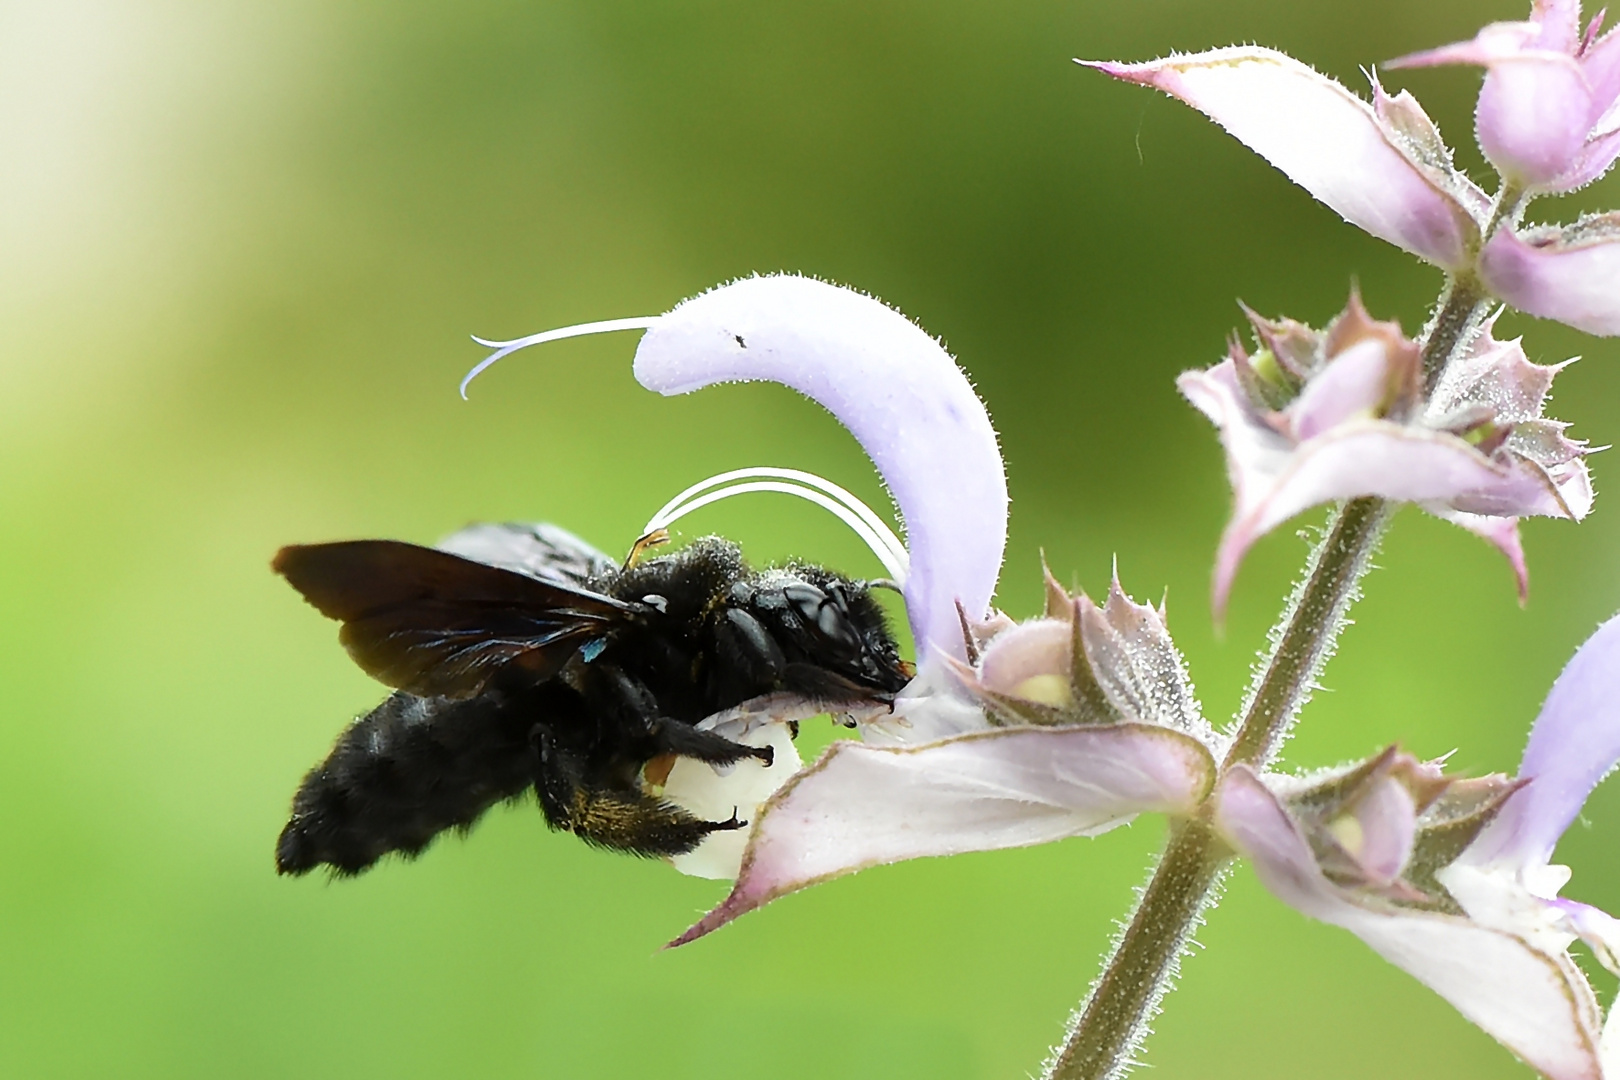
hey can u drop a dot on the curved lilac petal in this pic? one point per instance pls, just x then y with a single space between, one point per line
1571 277
1533 116
1370 457
1538 1006
1324 138
1574 743
1387 820
861 806
1356 383
896 390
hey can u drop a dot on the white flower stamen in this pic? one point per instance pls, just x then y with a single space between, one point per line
808 486
506 348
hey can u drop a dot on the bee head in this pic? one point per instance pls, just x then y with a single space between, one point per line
832 625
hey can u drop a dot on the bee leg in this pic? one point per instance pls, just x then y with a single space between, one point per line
626 698
555 780
674 737
639 823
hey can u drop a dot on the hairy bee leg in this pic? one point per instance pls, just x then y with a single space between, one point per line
640 824
555 784
674 737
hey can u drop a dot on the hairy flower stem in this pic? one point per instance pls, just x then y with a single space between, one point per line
1113 1020
1106 1030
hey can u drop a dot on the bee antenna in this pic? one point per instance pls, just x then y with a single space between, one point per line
650 540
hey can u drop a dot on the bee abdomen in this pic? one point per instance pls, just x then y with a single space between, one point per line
397 777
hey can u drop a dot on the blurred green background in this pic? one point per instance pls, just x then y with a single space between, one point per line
242 247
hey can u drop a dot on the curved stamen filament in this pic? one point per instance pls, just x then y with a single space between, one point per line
799 476
506 348
808 486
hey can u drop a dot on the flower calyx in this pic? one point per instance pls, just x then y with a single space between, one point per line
1489 933
1548 115
1382 828
1312 416
1086 664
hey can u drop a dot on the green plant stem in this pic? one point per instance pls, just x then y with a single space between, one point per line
1112 1022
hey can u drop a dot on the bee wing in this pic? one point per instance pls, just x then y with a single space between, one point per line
438 625
539 550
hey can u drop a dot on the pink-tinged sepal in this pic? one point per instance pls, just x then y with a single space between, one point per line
1546 112
1381 168
861 806
1569 273
1316 416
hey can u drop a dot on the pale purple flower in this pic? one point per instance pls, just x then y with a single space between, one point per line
894 387
1473 910
897 391
1570 273
1317 416
939 774
1548 115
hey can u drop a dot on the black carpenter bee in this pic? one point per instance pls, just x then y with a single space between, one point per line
523 657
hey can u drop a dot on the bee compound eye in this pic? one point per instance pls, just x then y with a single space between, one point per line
825 615
834 624
806 601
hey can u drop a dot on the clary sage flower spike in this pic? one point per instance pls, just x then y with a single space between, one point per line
1074 722
1315 416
